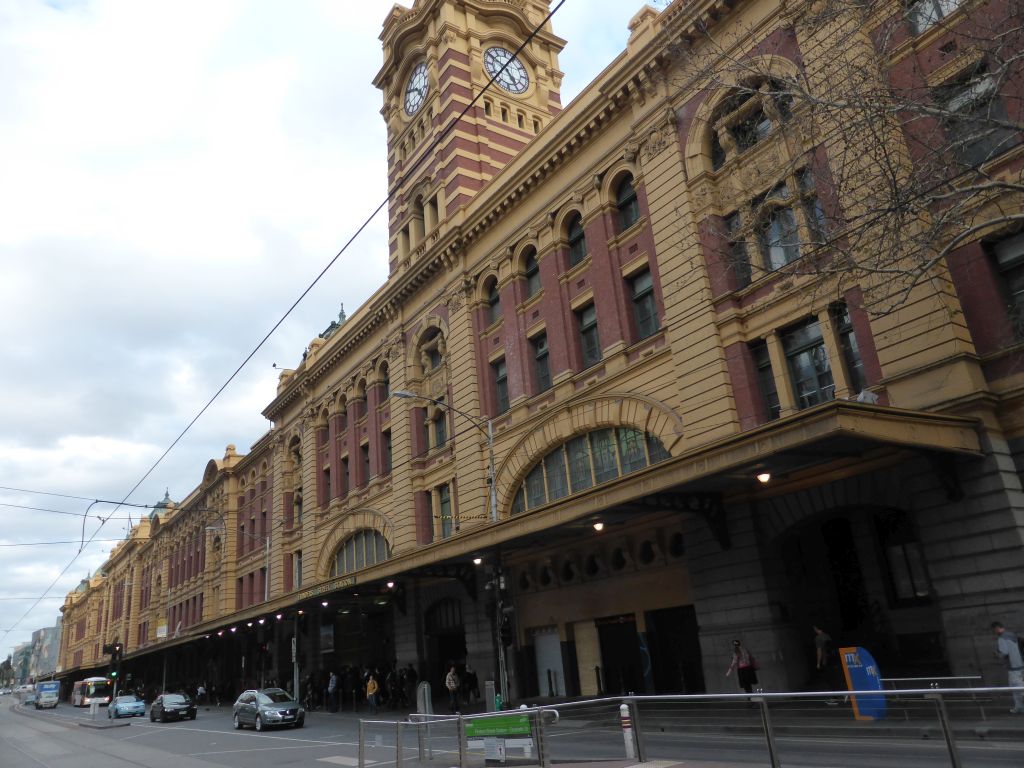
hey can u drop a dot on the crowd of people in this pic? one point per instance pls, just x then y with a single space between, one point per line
353 687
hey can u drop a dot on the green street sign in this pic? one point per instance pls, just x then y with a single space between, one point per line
501 725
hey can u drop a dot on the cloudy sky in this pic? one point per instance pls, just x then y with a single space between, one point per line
172 177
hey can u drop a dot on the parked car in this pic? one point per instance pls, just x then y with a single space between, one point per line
30 698
266 708
126 706
172 706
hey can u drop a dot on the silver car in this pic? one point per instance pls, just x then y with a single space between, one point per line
126 706
268 708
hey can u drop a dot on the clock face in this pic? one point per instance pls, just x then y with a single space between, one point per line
416 90
514 78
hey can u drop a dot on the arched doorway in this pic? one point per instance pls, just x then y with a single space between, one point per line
860 574
446 640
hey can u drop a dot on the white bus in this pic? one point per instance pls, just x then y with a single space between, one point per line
91 689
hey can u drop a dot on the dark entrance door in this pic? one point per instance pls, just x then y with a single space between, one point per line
840 576
675 650
446 642
620 655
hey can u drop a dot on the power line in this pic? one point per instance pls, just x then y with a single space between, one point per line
61 511
48 543
45 493
413 168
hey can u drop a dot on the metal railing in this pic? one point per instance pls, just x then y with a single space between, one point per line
445 736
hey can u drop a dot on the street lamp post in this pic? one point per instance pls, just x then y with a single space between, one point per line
486 426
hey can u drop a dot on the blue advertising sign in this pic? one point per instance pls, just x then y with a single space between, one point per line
862 674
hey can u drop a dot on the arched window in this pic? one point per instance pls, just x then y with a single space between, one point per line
385 380
493 302
627 204
585 461
432 349
362 549
748 117
532 271
577 240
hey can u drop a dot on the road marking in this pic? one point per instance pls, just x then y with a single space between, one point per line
342 760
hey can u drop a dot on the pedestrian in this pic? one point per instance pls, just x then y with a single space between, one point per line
471 685
332 693
371 694
201 694
745 665
451 682
1008 649
825 668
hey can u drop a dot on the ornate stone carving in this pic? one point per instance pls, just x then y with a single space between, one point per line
655 143
454 300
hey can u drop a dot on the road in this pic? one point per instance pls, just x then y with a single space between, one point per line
53 739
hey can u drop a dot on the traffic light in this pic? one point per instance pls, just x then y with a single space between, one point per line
115 650
505 632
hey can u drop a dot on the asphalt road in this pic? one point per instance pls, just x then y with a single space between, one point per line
53 739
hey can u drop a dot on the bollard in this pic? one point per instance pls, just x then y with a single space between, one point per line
94 709
627 732
638 731
398 744
361 755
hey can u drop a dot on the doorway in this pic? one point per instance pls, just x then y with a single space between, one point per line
446 641
676 665
621 664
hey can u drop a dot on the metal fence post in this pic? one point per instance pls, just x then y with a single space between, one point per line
398 744
638 734
947 732
769 734
460 730
542 747
362 747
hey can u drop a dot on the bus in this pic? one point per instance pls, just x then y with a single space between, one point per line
91 689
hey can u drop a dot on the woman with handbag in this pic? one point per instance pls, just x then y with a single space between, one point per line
746 666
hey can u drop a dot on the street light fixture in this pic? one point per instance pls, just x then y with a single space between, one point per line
487 427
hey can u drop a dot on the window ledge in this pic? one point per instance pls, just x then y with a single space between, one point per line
917 42
625 235
530 303
575 270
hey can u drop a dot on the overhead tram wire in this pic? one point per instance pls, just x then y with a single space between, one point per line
428 153
68 512
45 493
50 543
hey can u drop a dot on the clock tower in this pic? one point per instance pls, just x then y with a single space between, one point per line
438 56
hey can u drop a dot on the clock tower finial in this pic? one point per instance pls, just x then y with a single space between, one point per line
438 56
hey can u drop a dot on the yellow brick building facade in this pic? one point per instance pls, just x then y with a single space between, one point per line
626 294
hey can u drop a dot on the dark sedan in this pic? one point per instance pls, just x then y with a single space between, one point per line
172 706
266 708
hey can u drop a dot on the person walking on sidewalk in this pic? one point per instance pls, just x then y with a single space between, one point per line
451 682
1008 649
745 666
332 693
371 693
